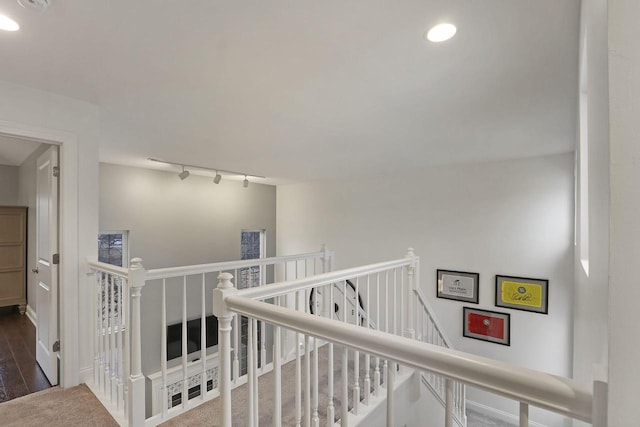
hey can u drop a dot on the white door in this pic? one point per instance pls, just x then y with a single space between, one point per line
47 264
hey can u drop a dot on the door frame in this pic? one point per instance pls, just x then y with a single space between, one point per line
68 272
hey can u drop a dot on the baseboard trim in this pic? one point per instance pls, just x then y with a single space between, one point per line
86 375
498 414
33 317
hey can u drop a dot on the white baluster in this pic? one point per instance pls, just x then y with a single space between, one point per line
401 307
113 352
256 394
326 309
277 382
307 378
524 415
448 420
315 419
345 383
119 346
102 331
127 344
390 374
298 368
163 350
185 382
376 372
263 346
367 357
93 281
250 372
345 365
356 354
385 367
203 342
224 289
412 299
330 407
237 350
394 303
136 278
285 301
415 284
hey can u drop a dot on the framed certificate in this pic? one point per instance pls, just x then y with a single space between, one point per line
458 285
486 325
522 293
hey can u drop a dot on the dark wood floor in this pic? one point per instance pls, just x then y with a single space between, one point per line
19 372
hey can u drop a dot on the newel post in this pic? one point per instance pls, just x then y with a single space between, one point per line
225 316
136 404
412 276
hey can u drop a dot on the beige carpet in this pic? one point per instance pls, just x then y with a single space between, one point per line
209 413
56 407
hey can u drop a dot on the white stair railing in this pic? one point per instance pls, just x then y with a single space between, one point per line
561 395
366 381
118 379
427 328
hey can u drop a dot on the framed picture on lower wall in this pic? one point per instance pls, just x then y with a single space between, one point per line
486 325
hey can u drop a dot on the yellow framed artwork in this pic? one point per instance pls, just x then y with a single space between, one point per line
522 293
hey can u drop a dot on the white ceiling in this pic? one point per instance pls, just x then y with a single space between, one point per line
14 151
304 90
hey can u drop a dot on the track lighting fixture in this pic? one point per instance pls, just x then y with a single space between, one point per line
184 174
216 179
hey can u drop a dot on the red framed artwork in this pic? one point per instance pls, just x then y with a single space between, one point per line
486 325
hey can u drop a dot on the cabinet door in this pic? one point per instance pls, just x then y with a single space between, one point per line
12 256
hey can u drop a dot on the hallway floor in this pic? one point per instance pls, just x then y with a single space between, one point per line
19 373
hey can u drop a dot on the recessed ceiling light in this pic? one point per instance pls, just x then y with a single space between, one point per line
441 32
8 24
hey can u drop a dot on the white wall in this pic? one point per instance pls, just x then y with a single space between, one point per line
9 185
590 298
35 110
624 289
174 222
513 218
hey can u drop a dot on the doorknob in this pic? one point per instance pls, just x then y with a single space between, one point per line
35 270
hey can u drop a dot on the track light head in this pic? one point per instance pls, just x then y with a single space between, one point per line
184 174
217 178
245 183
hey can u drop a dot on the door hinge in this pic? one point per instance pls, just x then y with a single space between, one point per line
56 346
56 259
56 171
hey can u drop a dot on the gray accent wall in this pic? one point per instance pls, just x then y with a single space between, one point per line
9 185
174 222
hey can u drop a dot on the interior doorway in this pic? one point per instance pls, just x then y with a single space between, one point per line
21 189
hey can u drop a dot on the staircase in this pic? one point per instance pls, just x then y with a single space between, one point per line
369 326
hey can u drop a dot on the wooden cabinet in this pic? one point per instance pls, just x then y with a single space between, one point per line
13 254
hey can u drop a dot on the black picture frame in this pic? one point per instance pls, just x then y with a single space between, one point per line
486 325
458 285
522 293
